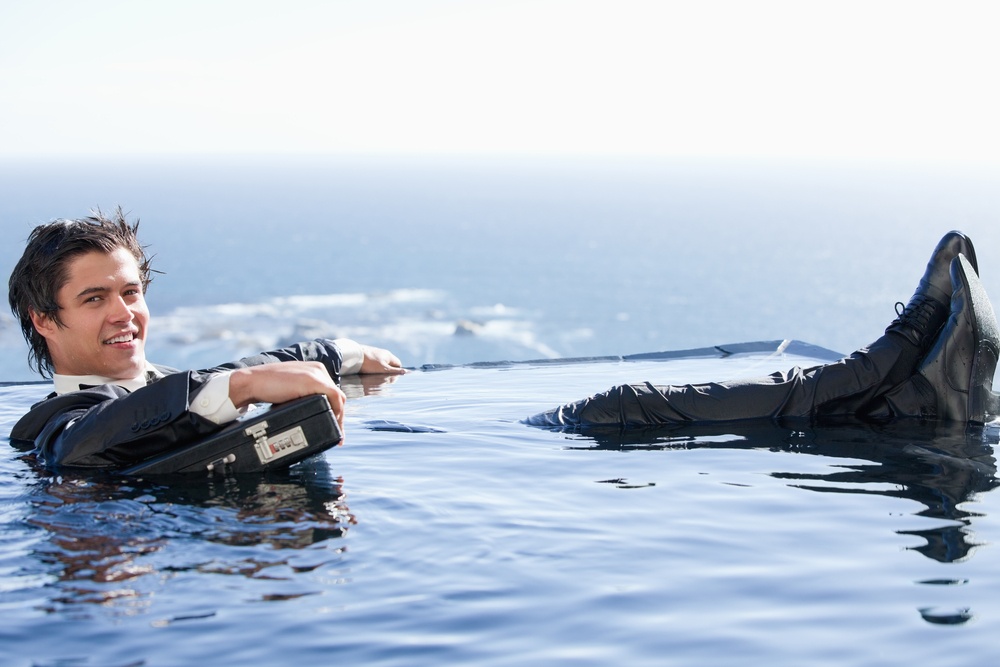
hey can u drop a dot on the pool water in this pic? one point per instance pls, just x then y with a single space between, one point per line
445 531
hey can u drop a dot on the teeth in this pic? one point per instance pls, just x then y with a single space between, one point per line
124 338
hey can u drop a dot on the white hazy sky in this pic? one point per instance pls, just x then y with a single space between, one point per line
906 80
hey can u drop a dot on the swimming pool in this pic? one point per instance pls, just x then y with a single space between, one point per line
447 532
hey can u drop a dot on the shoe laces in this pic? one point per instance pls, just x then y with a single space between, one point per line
918 312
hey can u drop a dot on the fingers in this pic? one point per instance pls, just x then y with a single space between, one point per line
377 360
338 401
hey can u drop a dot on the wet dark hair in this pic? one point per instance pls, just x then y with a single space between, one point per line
44 268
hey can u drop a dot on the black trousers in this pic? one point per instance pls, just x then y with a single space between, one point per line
854 386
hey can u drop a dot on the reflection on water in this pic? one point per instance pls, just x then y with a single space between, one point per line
110 541
939 466
104 534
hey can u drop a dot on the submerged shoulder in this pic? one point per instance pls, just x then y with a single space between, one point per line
30 425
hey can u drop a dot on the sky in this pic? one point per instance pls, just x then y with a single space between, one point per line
887 80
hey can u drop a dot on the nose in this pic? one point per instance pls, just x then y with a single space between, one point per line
120 311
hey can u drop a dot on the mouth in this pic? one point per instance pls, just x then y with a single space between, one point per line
121 338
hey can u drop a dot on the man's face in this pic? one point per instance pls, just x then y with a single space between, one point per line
104 318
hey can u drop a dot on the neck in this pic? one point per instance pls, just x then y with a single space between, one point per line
65 383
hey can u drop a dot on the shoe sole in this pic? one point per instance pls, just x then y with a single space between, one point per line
982 400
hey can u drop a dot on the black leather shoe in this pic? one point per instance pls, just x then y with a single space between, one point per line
922 318
960 366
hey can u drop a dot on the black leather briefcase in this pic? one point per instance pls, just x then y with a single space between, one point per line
275 436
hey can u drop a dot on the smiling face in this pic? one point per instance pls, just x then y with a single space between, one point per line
103 315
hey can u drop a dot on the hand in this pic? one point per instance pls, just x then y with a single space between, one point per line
277 383
381 361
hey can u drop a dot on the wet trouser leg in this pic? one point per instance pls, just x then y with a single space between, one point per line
852 386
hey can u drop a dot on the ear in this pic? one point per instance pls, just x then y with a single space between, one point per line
43 324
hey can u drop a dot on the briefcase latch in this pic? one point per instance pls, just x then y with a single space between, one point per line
273 447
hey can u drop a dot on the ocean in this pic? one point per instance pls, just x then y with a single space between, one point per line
463 260
447 532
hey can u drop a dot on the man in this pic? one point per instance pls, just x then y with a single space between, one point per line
78 292
935 361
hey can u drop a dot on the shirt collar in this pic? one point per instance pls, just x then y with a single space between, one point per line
67 383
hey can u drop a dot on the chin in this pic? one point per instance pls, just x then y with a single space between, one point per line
139 366
133 369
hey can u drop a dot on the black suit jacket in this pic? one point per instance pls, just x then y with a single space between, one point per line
108 426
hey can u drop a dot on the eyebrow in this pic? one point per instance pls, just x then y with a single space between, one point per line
93 290
103 290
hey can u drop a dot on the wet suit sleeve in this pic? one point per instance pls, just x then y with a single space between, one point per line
323 350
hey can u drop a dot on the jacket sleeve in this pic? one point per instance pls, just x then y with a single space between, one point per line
322 350
107 426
